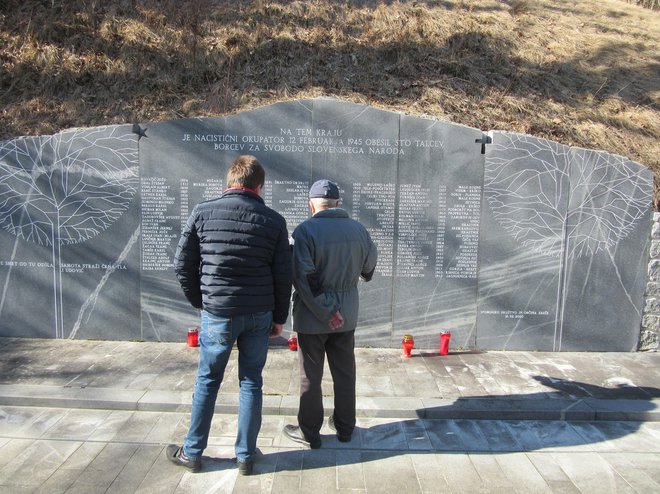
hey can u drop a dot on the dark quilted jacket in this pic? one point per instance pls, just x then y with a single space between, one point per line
234 257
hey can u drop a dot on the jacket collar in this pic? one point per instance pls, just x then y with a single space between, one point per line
242 192
332 213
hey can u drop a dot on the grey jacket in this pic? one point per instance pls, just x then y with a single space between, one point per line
330 253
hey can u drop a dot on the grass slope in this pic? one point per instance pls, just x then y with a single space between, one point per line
581 72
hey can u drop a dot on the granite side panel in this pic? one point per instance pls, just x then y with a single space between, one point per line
69 257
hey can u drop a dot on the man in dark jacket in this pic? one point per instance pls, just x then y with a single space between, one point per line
330 254
234 264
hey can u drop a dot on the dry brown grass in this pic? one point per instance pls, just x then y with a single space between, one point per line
582 72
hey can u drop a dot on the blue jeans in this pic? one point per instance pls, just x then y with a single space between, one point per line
216 339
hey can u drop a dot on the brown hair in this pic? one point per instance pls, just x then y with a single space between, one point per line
246 171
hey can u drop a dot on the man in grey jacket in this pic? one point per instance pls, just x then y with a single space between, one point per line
330 254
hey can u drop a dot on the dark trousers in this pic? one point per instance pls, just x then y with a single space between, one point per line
312 349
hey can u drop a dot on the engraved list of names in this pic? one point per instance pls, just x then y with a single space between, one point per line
157 230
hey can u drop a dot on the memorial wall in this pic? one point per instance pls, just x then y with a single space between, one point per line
506 240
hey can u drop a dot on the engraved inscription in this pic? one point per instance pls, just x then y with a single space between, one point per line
416 233
157 230
440 238
290 199
374 205
463 219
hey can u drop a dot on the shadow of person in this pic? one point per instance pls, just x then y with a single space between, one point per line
622 390
217 464
488 425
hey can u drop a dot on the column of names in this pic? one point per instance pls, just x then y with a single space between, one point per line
185 207
463 218
290 198
374 206
156 232
440 238
211 188
416 234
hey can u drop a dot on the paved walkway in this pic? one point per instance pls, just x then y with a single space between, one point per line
95 416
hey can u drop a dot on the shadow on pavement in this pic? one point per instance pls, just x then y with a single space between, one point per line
584 390
432 434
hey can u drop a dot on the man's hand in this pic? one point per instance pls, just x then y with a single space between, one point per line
336 322
276 330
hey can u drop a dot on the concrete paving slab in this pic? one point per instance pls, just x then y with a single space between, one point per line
384 472
290 461
533 435
69 397
601 436
520 471
16 421
382 434
467 431
32 466
625 409
112 424
49 418
59 482
162 477
460 473
631 436
429 474
416 435
83 456
552 473
221 480
443 436
319 472
345 469
507 408
414 415
490 471
272 405
77 424
138 427
552 436
350 472
636 478
165 428
132 474
591 473
404 407
498 436
289 405
165 401
166 371
285 484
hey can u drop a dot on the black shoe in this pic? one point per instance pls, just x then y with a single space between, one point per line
343 438
294 433
175 455
245 467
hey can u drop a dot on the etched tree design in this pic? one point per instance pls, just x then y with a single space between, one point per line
556 199
609 194
66 188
